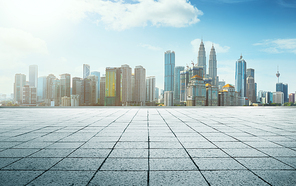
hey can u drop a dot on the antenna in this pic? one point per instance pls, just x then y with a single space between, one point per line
278 74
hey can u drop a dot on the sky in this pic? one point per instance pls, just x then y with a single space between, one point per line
61 35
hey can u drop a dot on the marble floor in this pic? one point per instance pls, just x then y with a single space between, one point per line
148 146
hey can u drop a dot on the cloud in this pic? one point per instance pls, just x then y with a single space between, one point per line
278 45
16 44
228 1
150 47
208 45
115 15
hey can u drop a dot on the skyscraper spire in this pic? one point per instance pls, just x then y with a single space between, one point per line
201 59
213 66
278 74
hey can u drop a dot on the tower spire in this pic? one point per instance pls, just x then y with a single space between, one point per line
278 74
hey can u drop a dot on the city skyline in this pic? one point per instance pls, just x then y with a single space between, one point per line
60 40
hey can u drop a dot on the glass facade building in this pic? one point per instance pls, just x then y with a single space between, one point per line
280 87
169 69
33 75
41 88
240 77
96 73
177 84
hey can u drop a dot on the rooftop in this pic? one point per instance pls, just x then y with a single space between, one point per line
148 146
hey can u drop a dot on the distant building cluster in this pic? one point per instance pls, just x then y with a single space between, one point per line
118 87
194 85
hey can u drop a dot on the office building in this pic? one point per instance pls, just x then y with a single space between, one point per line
98 74
74 100
86 70
33 75
280 87
228 96
56 88
113 85
156 94
169 69
250 72
211 95
292 98
102 90
177 84
278 97
168 98
29 95
126 84
65 85
93 89
66 101
41 89
140 85
49 89
78 88
19 83
150 89
251 94
213 67
201 59
196 92
240 76
268 98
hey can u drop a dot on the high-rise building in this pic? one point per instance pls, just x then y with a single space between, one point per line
240 76
201 58
251 94
177 84
78 88
196 92
86 70
98 74
29 95
113 93
93 89
280 87
133 84
74 100
74 85
211 95
102 90
49 89
278 97
126 84
213 67
57 92
156 94
168 98
150 89
33 75
268 98
292 98
41 88
251 72
65 85
19 83
169 67
140 85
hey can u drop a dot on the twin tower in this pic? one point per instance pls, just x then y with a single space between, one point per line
201 62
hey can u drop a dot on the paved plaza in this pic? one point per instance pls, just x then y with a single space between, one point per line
148 146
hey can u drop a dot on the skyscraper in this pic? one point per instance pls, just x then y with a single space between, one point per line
251 72
65 85
140 85
169 67
102 90
19 83
213 67
126 84
113 93
86 70
251 94
156 94
201 58
93 89
96 73
49 89
150 89
240 76
33 75
41 88
177 84
280 87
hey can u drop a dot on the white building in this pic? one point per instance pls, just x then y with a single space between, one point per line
168 98
66 101
74 100
278 97
150 89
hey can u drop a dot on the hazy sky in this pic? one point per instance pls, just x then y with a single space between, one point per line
61 35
